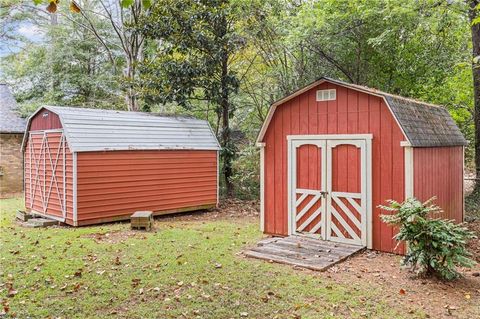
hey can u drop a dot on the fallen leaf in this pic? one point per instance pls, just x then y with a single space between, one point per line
402 291
11 292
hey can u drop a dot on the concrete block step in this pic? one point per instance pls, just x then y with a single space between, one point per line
23 215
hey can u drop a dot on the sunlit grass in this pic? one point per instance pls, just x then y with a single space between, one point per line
186 268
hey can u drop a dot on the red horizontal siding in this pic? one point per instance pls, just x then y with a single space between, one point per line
352 112
118 183
439 172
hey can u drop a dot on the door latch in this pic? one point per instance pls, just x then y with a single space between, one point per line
323 193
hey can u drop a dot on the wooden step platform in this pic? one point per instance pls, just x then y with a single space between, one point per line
305 252
142 220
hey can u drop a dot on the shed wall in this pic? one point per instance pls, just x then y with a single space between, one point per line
438 171
113 185
352 112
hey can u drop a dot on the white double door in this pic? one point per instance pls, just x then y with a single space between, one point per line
328 188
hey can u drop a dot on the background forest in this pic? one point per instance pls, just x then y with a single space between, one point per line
227 60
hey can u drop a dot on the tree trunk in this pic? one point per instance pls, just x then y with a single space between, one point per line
473 13
226 143
130 93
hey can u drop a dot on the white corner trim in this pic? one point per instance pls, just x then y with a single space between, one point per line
218 177
409 190
369 173
405 144
262 187
75 216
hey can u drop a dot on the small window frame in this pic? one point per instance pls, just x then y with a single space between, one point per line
326 95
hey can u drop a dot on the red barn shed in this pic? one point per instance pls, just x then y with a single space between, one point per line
86 166
333 151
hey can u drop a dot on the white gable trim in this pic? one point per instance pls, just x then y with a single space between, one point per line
274 106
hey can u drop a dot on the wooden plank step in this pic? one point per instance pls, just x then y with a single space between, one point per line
321 248
319 242
304 256
280 260
303 252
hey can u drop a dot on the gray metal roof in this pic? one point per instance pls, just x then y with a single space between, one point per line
424 124
108 130
10 120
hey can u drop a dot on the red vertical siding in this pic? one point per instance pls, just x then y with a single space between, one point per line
39 184
113 185
45 120
438 171
352 112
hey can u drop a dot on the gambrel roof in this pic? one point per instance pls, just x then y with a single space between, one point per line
423 124
110 130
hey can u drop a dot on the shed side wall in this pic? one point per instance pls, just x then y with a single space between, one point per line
113 185
352 112
438 171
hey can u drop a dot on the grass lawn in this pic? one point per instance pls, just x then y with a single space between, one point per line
187 268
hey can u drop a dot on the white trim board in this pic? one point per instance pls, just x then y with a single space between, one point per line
75 215
262 187
409 176
331 137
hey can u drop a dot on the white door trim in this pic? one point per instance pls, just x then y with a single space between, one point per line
331 137
320 140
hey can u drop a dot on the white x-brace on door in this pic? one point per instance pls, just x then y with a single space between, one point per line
324 211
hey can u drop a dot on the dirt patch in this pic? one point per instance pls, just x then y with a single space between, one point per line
114 237
227 209
474 244
437 299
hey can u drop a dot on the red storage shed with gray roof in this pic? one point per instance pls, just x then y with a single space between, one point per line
86 166
333 151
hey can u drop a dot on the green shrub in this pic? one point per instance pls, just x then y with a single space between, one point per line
435 246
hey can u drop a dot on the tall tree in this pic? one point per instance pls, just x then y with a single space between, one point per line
474 16
62 64
197 42
123 16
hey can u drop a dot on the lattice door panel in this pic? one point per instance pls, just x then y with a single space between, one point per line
46 173
346 185
308 204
